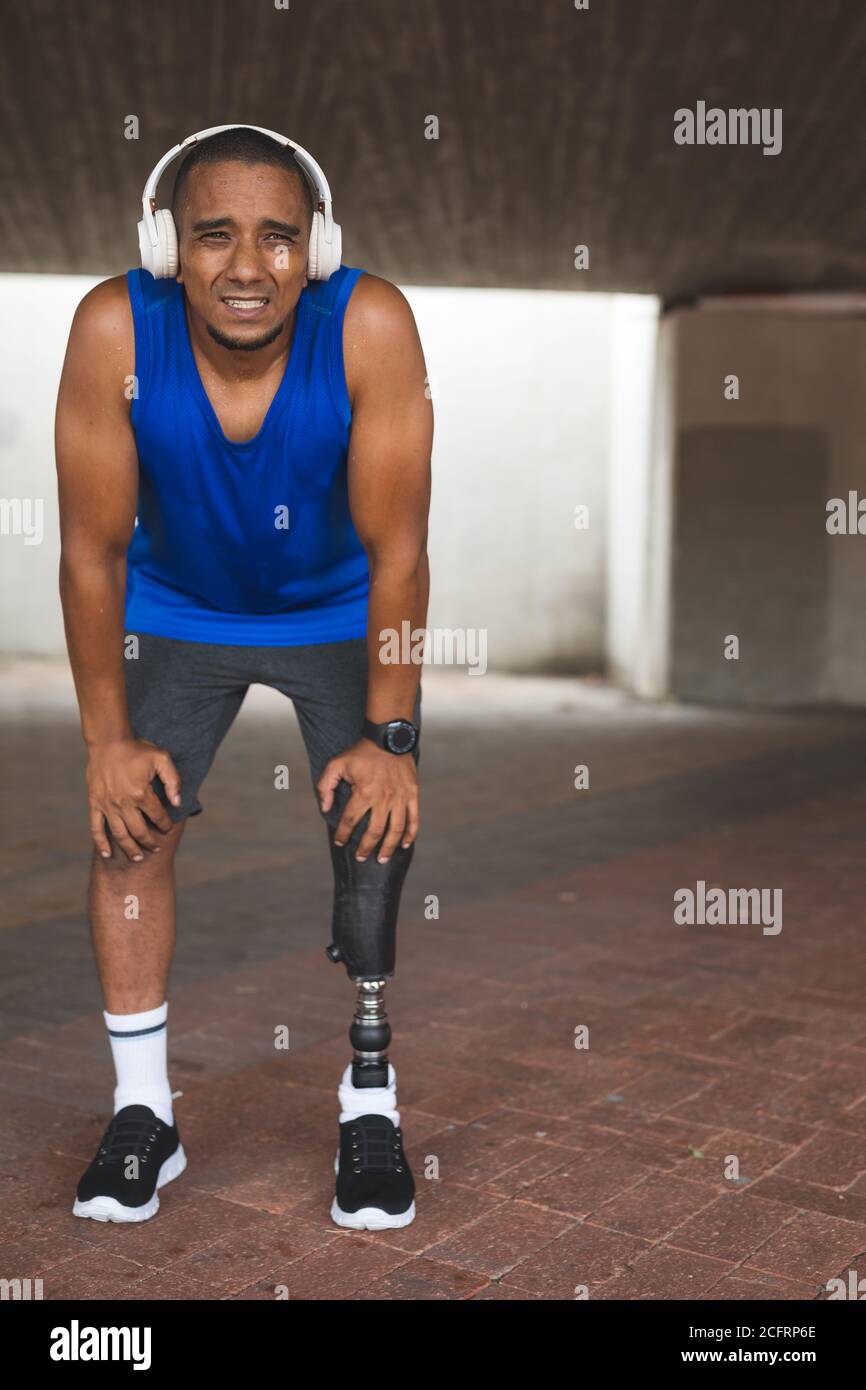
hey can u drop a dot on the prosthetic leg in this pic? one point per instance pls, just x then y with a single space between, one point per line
375 1189
364 929
370 1035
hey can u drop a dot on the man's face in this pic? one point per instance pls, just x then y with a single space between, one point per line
243 240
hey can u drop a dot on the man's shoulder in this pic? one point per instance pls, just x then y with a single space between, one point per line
378 329
377 303
104 316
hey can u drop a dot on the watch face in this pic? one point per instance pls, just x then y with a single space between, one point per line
401 736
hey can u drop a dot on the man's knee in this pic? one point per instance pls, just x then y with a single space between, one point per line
152 864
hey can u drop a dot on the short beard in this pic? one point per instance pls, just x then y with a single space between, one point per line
245 344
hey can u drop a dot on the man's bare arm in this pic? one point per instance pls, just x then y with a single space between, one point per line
389 477
389 496
97 469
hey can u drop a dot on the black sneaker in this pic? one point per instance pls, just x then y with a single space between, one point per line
375 1188
114 1188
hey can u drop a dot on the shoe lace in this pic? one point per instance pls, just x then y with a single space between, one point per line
376 1146
127 1138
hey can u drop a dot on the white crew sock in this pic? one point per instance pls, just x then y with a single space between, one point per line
138 1046
369 1100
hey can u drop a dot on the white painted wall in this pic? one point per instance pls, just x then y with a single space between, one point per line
521 385
520 391
36 312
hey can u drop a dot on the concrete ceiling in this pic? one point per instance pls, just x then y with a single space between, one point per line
555 128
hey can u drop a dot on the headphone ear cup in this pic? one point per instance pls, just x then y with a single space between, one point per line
335 250
167 244
324 257
145 249
161 260
315 242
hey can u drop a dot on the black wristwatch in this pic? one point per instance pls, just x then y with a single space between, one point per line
397 736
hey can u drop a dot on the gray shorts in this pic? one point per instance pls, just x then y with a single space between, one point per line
184 696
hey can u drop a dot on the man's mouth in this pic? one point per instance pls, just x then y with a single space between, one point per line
245 306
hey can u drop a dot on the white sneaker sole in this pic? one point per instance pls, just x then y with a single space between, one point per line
369 1218
109 1209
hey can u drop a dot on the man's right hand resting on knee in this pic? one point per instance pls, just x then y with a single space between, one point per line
120 795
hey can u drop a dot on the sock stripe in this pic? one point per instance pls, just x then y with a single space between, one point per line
139 1033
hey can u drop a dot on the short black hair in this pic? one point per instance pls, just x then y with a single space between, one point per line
243 146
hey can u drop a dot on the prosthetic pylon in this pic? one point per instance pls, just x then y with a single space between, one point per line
370 1035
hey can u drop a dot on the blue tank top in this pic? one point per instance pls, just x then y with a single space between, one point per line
253 543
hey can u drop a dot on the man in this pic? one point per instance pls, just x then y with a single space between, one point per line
266 420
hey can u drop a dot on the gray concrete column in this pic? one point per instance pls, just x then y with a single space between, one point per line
759 417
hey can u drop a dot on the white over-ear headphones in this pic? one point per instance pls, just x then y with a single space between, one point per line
157 236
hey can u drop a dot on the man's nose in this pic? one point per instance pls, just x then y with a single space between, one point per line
247 263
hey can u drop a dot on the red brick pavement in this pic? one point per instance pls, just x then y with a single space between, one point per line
709 1144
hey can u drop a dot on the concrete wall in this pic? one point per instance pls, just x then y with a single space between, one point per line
737 506
633 342
521 383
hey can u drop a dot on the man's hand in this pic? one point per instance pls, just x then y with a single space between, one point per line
386 785
119 776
